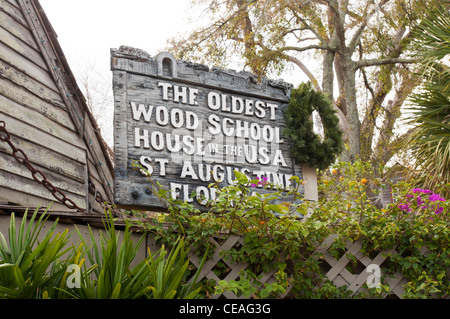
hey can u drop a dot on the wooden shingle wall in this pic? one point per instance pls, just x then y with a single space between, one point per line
43 110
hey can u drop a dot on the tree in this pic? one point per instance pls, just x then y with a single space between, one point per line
354 38
430 138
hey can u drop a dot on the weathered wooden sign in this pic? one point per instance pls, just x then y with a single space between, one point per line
188 126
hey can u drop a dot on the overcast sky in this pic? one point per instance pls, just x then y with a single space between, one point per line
88 29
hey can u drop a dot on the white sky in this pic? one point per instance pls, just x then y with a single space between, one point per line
88 29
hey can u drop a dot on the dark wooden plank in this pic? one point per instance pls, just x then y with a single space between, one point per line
26 66
23 184
37 136
22 48
71 186
10 72
20 95
50 159
12 19
39 121
9 195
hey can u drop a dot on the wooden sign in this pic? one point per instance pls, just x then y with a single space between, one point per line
188 126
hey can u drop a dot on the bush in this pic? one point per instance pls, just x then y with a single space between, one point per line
416 225
35 269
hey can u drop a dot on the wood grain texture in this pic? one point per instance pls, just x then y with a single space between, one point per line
193 127
44 114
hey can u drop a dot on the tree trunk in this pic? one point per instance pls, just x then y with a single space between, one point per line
327 74
354 124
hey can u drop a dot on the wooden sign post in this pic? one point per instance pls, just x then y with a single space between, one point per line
188 126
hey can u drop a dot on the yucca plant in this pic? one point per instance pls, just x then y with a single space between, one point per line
30 266
167 275
112 275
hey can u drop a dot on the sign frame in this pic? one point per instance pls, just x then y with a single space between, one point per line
160 101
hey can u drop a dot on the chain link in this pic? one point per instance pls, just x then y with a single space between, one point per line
40 177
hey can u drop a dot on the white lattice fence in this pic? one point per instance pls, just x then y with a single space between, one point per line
338 272
340 275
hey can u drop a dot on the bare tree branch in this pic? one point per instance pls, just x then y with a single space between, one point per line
373 62
305 70
306 48
306 25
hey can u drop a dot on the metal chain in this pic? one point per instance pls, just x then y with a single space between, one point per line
40 177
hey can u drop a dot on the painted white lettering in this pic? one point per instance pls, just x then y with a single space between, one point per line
165 90
214 120
157 140
218 176
191 120
202 195
250 153
180 92
138 137
145 162
188 171
186 195
226 131
173 147
264 158
162 116
272 108
242 129
204 172
255 131
177 118
214 101
249 107
173 189
162 165
141 110
278 159
192 96
259 109
237 105
189 142
267 133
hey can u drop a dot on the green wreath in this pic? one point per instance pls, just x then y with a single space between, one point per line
307 146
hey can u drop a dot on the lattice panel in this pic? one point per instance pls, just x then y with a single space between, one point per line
341 276
338 272
235 268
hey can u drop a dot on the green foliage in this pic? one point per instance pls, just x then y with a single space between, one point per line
430 115
415 225
35 265
27 257
168 274
307 146
274 240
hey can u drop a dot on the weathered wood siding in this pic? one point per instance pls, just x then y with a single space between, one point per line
42 112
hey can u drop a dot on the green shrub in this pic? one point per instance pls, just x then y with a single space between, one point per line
31 267
275 240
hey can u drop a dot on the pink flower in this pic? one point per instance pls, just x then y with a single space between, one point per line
404 207
436 197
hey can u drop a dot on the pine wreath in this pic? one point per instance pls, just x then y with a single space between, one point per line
307 146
